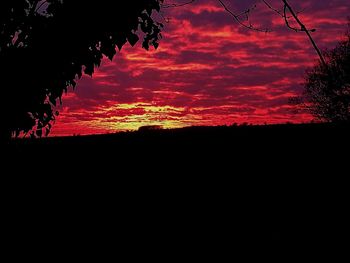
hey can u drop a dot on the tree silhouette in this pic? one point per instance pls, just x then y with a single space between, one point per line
45 46
327 88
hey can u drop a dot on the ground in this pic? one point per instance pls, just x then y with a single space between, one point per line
279 185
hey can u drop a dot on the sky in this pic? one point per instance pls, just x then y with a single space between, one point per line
208 70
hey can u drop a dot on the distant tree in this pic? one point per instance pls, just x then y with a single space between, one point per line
45 46
150 128
327 87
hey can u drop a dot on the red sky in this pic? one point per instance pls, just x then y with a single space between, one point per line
207 71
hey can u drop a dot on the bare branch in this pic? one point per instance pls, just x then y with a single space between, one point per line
303 28
238 20
286 19
272 8
177 5
165 6
287 8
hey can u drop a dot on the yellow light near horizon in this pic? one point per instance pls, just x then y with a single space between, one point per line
151 115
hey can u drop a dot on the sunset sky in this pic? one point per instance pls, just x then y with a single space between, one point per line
208 70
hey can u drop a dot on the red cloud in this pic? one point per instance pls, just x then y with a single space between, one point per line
207 71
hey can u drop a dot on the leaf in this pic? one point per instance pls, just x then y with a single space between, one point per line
133 39
149 10
157 7
120 42
111 55
108 51
89 69
53 101
47 132
39 132
80 73
145 45
155 44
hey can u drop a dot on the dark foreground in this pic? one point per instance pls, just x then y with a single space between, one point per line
277 190
291 148
285 137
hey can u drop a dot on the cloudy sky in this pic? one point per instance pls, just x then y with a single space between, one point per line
208 70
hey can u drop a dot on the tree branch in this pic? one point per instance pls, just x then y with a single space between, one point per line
303 28
287 8
238 20
272 8
177 5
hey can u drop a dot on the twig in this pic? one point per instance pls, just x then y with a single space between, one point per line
237 18
177 5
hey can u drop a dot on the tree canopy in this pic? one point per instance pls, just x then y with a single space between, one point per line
327 87
45 46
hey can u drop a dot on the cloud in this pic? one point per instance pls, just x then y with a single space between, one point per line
207 71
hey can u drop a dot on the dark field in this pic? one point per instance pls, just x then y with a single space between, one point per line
282 188
297 151
293 145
